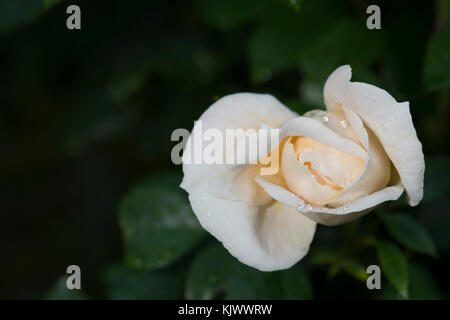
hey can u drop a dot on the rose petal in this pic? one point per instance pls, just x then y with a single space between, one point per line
389 120
243 185
314 129
340 167
268 238
377 170
235 111
357 126
331 216
302 181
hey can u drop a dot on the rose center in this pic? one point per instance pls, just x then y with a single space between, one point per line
330 166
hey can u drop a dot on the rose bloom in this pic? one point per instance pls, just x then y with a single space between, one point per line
335 166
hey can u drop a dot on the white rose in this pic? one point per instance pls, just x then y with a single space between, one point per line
336 165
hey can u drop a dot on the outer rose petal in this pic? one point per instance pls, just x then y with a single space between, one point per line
377 171
235 111
389 120
331 217
268 236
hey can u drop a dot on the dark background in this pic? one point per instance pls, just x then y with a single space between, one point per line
86 115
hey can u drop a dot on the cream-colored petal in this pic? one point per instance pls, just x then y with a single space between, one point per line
314 129
390 121
338 166
377 170
235 111
244 187
332 216
374 177
302 181
268 238
220 187
357 125
336 121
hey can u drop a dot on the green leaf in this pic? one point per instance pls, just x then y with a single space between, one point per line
437 178
435 217
410 233
244 283
337 263
48 3
437 61
97 118
249 283
14 13
393 266
422 284
388 292
126 283
215 273
274 46
229 14
60 291
284 35
296 283
157 222
350 44
294 4
209 273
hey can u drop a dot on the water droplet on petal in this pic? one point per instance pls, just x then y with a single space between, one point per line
316 114
343 124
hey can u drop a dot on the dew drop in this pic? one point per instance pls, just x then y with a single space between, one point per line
316 114
300 204
343 124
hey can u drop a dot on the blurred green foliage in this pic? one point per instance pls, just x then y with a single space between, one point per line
158 224
85 125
